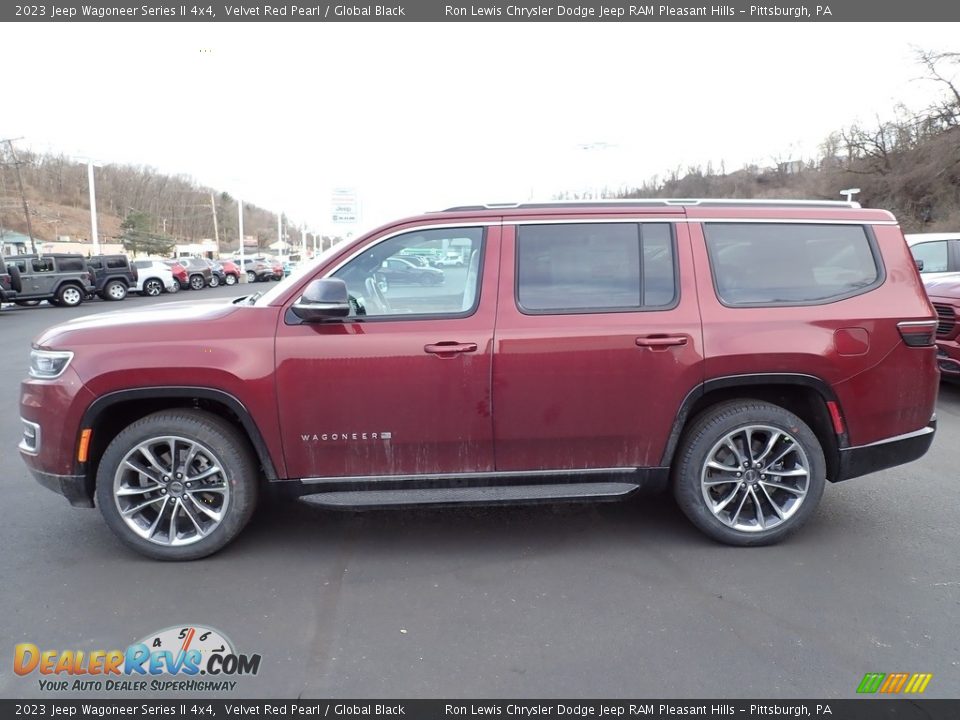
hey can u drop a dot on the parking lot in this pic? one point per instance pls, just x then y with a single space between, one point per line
616 600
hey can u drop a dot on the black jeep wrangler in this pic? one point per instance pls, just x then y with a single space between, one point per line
114 275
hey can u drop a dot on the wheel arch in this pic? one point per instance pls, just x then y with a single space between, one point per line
110 413
804 395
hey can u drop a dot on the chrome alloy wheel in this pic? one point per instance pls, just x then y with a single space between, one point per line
171 490
755 478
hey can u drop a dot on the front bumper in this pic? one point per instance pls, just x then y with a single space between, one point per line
72 487
883 454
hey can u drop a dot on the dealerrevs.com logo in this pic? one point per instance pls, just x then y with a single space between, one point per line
179 659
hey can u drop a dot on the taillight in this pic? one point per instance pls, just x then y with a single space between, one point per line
918 333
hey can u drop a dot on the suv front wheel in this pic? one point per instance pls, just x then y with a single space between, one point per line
749 472
177 484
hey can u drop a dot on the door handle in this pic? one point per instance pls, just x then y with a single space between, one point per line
661 341
450 347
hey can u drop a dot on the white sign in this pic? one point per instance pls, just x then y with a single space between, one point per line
344 207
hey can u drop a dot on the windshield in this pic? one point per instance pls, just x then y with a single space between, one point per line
295 276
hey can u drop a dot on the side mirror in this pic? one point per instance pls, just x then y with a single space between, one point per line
918 263
322 300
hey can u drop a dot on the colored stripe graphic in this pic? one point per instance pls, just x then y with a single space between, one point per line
871 682
894 682
918 682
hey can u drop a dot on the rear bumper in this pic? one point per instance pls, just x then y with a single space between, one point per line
72 487
883 454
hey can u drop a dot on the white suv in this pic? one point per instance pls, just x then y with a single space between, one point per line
154 277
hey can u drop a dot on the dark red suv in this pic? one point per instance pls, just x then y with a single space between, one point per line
740 352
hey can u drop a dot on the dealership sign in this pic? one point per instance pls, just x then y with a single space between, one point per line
345 206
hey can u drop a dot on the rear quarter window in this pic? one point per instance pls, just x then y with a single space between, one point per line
71 265
784 264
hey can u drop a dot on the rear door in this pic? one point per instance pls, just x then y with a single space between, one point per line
598 341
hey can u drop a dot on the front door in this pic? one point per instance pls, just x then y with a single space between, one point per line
402 386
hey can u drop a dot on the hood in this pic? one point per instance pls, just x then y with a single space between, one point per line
947 286
153 322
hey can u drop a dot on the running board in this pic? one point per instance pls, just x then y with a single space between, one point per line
496 495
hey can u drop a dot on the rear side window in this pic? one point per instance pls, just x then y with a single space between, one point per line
71 264
933 254
117 262
783 264
595 267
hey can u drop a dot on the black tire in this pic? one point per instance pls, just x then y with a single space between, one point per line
702 440
214 281
114 291
251 276
175 288
27 303
152 287
230 279
16 282
197 282
69 295
226 443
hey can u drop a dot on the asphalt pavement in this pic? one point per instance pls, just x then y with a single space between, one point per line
575 601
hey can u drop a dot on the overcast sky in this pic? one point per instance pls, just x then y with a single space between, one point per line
422 116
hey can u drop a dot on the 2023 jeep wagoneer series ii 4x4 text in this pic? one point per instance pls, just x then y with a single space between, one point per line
740 352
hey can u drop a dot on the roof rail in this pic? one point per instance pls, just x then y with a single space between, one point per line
656 202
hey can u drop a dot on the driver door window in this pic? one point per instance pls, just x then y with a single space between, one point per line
430 273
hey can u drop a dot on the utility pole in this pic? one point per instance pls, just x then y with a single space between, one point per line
216 231
23 196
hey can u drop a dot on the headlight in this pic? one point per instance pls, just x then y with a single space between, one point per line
48 364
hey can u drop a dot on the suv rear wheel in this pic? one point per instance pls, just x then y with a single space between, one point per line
177 484
114 290
749 472
251 276
214 281
69 296
230 279
197 282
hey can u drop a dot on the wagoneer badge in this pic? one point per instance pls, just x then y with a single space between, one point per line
346 437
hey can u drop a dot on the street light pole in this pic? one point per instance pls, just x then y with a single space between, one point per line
243 269
93 208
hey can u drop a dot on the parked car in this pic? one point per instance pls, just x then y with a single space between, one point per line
154 277
400 271
257 270
277 268
199 273
59 278
944 293
114 275
450 259
229 270
179 273
936 254
741 353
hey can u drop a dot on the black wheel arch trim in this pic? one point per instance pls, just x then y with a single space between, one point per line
102 403
748 380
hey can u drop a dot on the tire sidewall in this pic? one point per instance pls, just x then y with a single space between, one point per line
62 292
222 439
152 287
113 284
705 431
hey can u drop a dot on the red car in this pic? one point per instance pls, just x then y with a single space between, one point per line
741 353
179 273
944 293
231 271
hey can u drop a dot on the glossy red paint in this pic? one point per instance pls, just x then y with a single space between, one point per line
944 293
544 392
